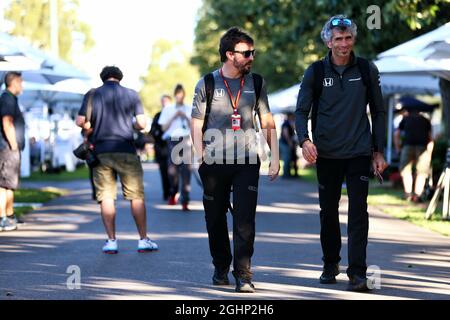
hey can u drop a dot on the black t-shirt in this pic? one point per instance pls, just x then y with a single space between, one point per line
416 130
114 107
10 107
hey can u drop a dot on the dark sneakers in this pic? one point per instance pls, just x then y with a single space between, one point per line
329 274
357 283
220 277
243 284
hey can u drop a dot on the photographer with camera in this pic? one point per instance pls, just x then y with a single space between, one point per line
116 112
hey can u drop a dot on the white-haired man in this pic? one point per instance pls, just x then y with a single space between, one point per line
343 146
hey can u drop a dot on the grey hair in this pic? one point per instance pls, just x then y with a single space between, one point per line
327 32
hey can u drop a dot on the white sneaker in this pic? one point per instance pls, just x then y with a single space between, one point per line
110 247
8 224
147 245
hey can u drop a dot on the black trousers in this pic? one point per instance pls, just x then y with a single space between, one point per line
161 156
91 180
218 181
331 174
180 172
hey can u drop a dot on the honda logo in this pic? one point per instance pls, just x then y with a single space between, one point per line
328 82
219 93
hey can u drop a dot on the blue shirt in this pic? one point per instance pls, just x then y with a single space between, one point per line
114 107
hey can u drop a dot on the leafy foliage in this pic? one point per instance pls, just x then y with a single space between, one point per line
169 65
31 19
287 32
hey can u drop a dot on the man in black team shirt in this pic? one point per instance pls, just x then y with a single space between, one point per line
338 88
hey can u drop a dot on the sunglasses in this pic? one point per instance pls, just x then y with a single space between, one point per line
341 22
246 53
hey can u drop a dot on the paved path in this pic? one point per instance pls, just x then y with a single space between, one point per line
414 262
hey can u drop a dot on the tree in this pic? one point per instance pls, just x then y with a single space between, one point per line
31 19
287 33
169 65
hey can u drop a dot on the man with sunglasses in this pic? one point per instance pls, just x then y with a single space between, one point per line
337 90
222 119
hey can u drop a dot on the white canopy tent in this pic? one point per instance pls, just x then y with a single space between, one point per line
428 53
284 100
48 81
414 67
37 65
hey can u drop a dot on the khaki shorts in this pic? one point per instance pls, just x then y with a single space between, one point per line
417 156
129 169
9 169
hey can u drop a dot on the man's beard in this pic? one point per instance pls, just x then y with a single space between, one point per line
244 68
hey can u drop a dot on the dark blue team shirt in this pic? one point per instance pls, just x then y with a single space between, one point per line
9 106
114 107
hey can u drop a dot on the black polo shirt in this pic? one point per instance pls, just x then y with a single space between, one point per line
9 106
114 107
416 130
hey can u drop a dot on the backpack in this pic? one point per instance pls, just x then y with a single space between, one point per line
156 131
210 86
319 75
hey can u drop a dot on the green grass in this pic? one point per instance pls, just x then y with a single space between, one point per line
79 174
34 196
308 174
390 201
37 195
22 210
416 214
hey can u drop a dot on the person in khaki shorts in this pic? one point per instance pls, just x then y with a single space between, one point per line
116 112
414 142
12 142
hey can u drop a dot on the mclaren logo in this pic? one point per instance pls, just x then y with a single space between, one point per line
328 82
219 93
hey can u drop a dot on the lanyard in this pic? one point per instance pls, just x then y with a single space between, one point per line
234 102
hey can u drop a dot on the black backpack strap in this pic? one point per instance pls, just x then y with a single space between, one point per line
209 90
319 75
257 83
364 68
